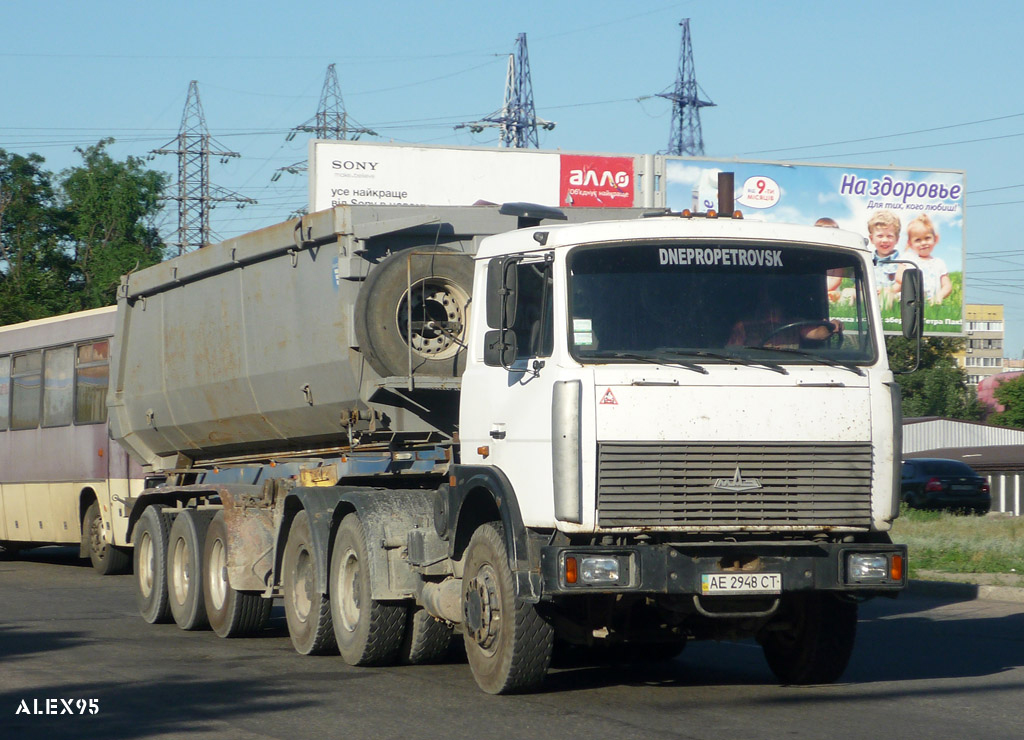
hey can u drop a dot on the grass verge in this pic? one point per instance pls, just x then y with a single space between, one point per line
961 543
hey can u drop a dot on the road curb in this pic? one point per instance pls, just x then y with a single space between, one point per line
965 591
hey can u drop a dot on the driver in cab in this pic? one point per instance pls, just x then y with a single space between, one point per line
772 326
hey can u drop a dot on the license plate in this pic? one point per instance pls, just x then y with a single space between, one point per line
741 583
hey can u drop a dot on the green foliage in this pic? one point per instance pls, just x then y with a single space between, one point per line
110 207
953 543
1011 395
65 241
938 387
34 270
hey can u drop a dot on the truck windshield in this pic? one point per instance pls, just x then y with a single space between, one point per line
718 302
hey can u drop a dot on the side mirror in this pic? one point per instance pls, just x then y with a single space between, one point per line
912 304
502 284
500 348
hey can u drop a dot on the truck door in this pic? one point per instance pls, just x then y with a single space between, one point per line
515 392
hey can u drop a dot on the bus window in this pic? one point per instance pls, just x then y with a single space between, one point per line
25 388
58 393
91 380
5 392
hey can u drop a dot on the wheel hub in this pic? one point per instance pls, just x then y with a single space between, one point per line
437 320
482 608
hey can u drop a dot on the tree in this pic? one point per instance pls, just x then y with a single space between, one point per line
34 270
1011 395
938 387
111 208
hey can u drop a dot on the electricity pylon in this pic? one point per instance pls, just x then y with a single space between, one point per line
517 120
330 122
686 136
196 196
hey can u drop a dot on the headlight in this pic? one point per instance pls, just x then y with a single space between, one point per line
874 567
592 570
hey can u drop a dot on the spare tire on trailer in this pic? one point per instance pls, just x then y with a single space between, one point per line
440 283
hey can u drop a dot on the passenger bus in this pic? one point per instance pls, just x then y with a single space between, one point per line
62 479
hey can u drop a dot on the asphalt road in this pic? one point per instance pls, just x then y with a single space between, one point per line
71 642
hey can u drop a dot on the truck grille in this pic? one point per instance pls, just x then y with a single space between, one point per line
734 485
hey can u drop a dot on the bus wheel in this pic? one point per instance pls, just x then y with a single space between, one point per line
368 631
231 613
307 611
150 539
508 643
184 569
107 560
816 642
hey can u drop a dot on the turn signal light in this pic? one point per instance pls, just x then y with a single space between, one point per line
896 568
571 570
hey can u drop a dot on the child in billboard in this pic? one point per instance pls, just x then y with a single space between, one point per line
921 241
884 235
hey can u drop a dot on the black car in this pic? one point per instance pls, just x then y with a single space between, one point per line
933 483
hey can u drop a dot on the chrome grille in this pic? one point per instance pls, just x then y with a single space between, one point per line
666 484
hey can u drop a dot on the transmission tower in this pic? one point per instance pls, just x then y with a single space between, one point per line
196 196
330 122
686 137
517 120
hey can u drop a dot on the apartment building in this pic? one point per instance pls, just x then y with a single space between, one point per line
983 348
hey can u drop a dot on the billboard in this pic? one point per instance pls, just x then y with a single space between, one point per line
351 173
915 215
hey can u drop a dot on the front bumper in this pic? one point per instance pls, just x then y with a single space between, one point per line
680 570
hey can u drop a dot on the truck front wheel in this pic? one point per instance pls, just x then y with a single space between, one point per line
368 631
508 643
231 613
816 642
308 611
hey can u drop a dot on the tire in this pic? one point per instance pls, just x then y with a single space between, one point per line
150 537
230 613
185 569
308 612
427 640
816 647
107 560
508 643
442 285
367 631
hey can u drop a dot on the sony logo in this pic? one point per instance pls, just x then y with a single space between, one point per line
603 179
349 164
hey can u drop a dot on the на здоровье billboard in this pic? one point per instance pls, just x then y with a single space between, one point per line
924 206
347 173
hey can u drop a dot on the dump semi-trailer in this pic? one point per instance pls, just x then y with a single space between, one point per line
620 434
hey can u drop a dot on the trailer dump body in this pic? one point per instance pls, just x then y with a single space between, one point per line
252 345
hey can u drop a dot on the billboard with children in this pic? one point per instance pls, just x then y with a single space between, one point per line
907 216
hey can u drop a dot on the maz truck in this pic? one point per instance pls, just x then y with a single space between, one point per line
601 430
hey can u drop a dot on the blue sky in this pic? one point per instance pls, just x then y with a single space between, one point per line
918 85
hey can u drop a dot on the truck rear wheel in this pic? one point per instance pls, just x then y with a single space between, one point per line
185 569
107 560
816 645
231 613
368 631
508 643
308 612
419 301
427 640
152 532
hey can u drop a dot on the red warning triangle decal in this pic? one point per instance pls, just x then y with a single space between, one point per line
609 398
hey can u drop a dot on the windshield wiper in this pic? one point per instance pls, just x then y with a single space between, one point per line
734 359
813 356
653 359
